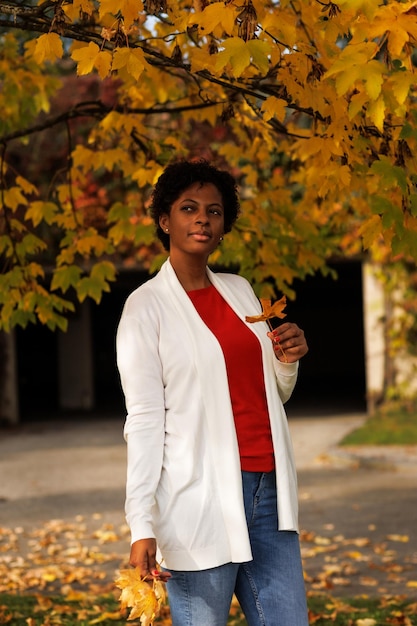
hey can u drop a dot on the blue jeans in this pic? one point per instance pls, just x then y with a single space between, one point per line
270 588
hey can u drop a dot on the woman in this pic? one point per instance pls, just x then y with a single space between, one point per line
211 482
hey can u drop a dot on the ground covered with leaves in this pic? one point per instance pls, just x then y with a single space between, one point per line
63 572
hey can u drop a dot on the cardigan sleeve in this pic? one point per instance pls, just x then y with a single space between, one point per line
286 375
142 383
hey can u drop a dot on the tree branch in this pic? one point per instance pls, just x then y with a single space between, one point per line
99 110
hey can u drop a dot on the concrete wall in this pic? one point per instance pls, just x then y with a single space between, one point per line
9 404
75 362
374 311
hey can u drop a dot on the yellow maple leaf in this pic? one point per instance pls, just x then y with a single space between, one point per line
237 53
372 74
90 57
26 185
129 9
376 112
260 52
352 56
143 598
214 15
283 29
13 198
39 211
371 230
85 57
103 63
148 174
401 84
269 310
201 59
274 107
48 47
132 60
77 7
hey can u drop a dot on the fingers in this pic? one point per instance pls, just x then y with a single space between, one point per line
159 574
278 349
143 557
289 342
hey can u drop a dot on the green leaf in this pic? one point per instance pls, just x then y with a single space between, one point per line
391 175
119 211
65 277
39 211
104 271
30 244
89 288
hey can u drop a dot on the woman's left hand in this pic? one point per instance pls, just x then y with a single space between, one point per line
289 342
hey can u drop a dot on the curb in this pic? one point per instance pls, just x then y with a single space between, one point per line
387 458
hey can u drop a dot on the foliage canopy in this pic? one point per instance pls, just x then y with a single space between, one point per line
311 104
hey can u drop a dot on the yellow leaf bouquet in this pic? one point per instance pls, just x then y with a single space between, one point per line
143 598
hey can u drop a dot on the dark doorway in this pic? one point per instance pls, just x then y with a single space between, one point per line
332 374
105 319
331 378
37 371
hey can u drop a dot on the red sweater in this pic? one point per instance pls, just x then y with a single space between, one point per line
243 357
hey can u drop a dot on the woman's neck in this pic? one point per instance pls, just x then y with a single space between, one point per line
192 276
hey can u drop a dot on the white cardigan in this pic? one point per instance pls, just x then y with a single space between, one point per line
184 482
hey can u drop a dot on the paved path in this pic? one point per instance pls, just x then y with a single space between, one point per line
57 468
62 492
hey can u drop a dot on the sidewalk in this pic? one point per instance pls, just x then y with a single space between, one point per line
62 497
316 443
46 461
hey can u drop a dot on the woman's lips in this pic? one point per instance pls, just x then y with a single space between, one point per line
201 236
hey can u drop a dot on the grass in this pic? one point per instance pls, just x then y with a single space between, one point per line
21 610
326 611
395 424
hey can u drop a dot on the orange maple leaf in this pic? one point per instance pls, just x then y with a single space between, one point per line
269 310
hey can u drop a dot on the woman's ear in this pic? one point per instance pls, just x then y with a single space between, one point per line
164 222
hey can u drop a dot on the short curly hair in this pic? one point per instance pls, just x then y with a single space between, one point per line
179 176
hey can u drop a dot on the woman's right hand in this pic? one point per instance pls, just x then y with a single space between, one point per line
143 557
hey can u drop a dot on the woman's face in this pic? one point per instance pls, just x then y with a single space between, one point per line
196 220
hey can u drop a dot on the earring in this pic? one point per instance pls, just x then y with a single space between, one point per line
166 230
221 238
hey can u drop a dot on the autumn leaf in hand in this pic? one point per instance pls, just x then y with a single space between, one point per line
143 598
269 310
